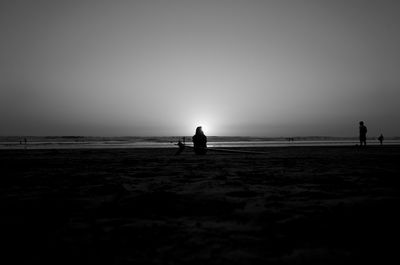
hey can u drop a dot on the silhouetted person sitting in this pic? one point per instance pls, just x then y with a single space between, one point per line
199 142
181 146
363 134
380 138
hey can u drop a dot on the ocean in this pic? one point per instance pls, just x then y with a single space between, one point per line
77 142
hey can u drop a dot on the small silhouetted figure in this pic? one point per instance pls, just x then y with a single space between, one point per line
25 142
363 134
380 138
181 146
199 142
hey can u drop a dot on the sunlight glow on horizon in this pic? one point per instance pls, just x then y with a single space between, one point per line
206 127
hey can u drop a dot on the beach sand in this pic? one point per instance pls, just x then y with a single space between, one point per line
291 205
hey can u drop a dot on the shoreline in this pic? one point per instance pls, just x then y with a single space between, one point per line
57 146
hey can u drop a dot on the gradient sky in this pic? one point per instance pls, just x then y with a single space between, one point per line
249 68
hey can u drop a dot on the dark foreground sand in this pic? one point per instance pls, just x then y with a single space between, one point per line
293 205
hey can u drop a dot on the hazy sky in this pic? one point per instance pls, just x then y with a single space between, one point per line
256 68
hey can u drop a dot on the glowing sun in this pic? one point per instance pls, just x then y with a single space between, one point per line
205 126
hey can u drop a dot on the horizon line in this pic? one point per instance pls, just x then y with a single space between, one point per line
177 136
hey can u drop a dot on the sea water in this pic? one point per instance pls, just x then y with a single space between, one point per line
170 142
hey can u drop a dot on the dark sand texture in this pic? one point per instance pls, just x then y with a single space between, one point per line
294 205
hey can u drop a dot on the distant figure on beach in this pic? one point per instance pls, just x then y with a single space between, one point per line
363 134
181 146
199 142
380 138
25 142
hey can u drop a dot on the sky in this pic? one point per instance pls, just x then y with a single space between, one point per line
237 68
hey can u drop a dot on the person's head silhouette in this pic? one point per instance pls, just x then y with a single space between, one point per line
199 130
361 123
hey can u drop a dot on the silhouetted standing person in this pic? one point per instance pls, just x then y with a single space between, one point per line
380 138
363 134
199 142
